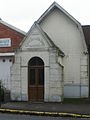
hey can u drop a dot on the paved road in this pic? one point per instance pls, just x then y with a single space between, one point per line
4 116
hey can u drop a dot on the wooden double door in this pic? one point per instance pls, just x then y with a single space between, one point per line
36 79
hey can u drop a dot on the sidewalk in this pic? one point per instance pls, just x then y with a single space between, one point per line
76 110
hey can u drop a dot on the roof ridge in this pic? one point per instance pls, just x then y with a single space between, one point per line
51 7
12 27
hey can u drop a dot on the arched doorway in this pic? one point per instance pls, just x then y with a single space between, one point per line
36 79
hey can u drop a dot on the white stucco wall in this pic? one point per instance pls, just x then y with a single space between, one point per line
53 77
56 78
5 64
53 89
67 36
69 73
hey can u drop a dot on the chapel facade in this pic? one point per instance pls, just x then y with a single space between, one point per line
51 61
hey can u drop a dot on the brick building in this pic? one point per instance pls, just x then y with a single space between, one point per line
10 38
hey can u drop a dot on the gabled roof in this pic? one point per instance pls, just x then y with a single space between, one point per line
47 38
12 27
56 5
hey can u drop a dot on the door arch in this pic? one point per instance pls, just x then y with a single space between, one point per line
36 79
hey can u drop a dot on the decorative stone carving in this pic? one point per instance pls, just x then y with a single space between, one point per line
34 43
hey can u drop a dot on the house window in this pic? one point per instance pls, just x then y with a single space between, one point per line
10 60
3 60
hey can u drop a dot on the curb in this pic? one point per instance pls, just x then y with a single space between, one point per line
55 114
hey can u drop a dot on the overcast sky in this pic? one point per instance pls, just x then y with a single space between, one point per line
23 13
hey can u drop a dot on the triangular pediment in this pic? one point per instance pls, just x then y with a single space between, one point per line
34 43
35 39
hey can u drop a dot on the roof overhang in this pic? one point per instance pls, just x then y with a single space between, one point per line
12 27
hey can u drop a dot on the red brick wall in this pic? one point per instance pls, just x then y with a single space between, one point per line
16 38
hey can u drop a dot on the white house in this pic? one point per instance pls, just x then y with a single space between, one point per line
51 61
